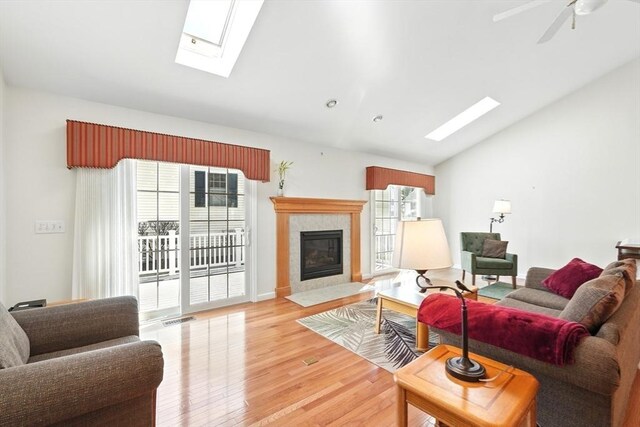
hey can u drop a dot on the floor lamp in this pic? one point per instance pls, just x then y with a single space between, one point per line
501 207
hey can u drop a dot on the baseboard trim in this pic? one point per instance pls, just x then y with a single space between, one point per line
266 296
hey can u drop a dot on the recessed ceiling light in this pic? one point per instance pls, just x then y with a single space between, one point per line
331 103
461 120
377 118
214 33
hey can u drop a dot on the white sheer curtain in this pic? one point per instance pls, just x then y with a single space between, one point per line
105 249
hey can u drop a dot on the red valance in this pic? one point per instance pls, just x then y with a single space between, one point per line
379 178
92 145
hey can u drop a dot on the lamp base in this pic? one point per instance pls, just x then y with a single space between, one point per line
465 370
421 275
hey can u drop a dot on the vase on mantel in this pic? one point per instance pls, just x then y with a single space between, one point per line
281 191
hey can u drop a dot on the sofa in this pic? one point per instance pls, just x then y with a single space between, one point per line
594 389
78 364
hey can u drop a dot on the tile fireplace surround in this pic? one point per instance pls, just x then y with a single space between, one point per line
285 207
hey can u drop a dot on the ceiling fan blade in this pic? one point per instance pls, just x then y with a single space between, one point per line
555 26
516 10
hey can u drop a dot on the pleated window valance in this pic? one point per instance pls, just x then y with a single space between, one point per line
92 145
379 178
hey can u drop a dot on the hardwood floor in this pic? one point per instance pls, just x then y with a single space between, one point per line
243 365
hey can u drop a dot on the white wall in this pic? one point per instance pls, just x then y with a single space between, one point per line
3 215
40 187
571 170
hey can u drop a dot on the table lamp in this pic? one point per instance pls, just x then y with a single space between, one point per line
500 207
422 245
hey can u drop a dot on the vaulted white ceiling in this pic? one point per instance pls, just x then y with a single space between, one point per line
418 63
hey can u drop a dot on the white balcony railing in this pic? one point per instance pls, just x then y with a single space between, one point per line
160 253
383 250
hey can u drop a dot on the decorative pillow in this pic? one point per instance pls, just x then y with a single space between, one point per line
566 280
494 248
628 269
14 343
595 301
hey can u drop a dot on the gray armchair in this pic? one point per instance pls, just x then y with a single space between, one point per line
86 366
472 261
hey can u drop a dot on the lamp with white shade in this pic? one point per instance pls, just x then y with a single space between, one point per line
422 245
501 207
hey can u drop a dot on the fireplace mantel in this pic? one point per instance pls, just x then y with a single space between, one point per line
285 206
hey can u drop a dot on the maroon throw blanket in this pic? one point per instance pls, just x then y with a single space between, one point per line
535 335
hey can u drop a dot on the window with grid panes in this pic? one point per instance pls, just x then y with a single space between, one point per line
391 205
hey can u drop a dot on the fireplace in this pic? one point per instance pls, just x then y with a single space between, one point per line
320 254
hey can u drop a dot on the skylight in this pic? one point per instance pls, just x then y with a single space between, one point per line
461 120
214 34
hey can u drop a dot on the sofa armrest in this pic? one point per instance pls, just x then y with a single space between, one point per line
57 389
74 325
468 261
595 367
535 276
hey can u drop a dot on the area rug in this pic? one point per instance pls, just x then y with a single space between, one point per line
352 327
497 290
330 293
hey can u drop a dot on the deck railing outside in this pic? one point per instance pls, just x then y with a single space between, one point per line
383 250
159 254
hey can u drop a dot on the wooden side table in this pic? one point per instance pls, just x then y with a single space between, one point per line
627 249
509 400
406 299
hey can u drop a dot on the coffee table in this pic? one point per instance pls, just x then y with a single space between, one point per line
406 299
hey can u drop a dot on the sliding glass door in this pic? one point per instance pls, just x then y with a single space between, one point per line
203 211
216 240
158 189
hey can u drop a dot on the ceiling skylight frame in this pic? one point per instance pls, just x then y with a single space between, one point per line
469 115
200 51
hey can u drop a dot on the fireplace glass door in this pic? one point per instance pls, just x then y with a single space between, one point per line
320 254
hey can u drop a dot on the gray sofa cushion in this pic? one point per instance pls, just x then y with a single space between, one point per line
14 343
596 301
521 305
538 297
77 350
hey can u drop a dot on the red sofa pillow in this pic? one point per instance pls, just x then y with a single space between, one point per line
566 281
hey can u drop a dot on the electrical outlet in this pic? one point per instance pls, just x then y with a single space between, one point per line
48 227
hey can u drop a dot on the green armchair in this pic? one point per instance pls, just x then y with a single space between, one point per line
474 263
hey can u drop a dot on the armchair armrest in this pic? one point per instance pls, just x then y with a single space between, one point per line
514 259
57 389
74 325
535 276
468 261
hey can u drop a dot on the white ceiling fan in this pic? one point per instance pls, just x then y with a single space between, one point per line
573 8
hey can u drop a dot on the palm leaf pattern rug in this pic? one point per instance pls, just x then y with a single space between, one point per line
352 327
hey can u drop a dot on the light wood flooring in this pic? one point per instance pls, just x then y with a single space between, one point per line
243 365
